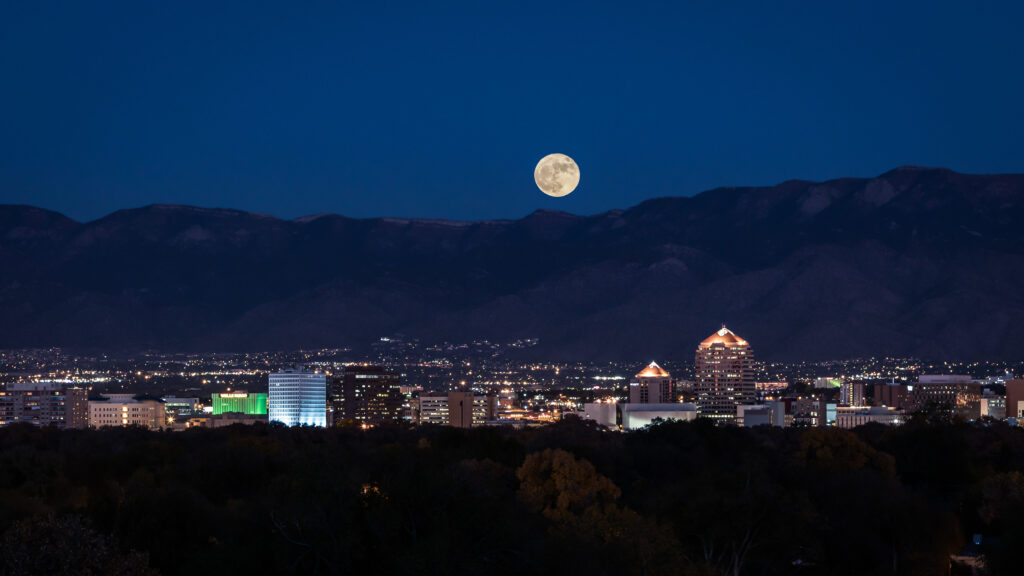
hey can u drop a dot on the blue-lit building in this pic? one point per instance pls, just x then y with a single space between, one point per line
298 398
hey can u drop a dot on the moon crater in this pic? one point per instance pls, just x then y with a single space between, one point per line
556 175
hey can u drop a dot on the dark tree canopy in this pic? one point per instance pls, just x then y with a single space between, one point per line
675 498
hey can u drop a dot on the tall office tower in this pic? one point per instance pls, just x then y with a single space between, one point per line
45 404
652 385
127 410
368 394
298 398
723 376
851 393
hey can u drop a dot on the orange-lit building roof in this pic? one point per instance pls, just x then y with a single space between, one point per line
653 371
724 337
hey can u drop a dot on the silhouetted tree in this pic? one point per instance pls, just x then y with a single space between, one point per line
65 546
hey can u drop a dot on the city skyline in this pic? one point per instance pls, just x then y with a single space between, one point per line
723 382
552 288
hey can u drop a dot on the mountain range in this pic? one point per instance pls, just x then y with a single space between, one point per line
916 262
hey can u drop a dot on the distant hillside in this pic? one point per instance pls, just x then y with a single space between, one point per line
917 261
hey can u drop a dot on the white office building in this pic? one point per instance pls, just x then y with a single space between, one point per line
771 413
604 413
433 409
298 398
459 409
127 410
636 416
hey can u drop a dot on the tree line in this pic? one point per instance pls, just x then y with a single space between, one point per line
674 498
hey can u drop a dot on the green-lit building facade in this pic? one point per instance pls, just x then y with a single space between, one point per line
240 403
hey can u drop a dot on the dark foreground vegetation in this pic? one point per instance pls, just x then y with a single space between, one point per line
566 499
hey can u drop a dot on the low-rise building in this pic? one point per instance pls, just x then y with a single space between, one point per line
633 416
954 391
992 406
432 409
250 403
1014 399
636 416
772 413
127 410
851 417
892 395
458 409
222 420
825 382
179 408
604 413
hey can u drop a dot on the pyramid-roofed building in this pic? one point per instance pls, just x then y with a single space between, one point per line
724 337
723 376
653 371
652 385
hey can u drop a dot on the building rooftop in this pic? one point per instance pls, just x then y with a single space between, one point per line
943 379
725 337
653 371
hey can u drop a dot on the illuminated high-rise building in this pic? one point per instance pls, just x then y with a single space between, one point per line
723 376
652 385
298 398
851 393
367 394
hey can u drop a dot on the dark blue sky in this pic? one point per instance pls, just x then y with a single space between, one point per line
442 109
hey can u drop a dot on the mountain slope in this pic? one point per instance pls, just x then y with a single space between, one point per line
914 262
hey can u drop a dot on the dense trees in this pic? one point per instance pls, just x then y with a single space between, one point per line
66 546
676 498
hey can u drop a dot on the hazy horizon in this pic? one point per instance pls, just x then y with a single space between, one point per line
497 219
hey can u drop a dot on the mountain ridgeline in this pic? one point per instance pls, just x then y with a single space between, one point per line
917 261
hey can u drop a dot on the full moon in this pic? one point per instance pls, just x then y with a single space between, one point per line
557 175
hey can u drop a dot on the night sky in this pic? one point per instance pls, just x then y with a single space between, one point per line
441 110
